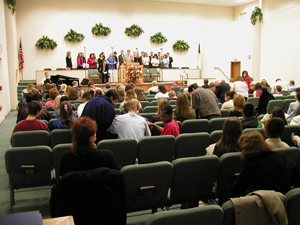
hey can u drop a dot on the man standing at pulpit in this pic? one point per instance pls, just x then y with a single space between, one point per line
128 57
121 58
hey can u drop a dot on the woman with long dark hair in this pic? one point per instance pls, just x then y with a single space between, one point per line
183 111
66 119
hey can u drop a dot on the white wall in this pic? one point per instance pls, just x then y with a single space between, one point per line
244 11
273 5
54 18
4 82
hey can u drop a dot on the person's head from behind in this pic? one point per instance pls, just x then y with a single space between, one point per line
258 87
66 114
161 103
253 144
162 88
113 95
185 82
205 81
212 84
30 87
73 94
192 87
86 97
292 82
130 94
34 107
239 78
37 97
90 84
75 83
53 85
166 114
64 98
278 89
131 106
172 94
128 86
229 95
154 83
238 102
98 92
84 135
274 128
53 93
138 91
107 85
57 102
28 97
47 87
248 109
231 80
278 112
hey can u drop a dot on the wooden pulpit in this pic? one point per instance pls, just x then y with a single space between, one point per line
123 72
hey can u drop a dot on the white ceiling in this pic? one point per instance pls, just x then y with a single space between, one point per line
230 3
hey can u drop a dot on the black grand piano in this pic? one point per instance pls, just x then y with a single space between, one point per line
65 79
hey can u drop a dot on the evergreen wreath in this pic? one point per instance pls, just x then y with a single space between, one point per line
256 12
99 29
134 30
11 4
73 36
180 46
45 43
158 38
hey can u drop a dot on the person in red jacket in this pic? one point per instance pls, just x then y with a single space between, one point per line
92 61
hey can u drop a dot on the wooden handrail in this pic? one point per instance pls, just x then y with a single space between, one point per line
218 68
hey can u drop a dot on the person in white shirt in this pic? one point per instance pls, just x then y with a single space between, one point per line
228 104
155 61
278 91
145 60
162 92
240 87
154 88
85 98
284 85
130 125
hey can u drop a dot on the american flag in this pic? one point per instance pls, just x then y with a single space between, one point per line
199 49
21 58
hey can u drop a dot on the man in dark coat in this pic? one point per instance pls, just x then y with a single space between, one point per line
221 89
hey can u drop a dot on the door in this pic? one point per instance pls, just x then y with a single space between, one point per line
235 69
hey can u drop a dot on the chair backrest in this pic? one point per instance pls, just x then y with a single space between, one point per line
153 71
50 108
145 93
44 121
31 138
191 145
287 134
230 166
259 117
150 109
192 180
229 213
225 112
117 111
274 103
194 126
293 206
292 153
20 175
150 99
215 136
145 70
146 186
261 130
147 115
117 105
290 97
280 97
176 89
93 71
145 103
216 124
154 131
58 151
76 101
51 122
220 105
124 150
286 104
156 148
153 103
60 136
253 100
210 214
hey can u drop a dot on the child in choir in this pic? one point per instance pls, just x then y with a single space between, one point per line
171 127
46 78
80 60
69 61
92 61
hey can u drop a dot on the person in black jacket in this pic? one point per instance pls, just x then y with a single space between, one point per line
103 69
221 89
263 101
69 60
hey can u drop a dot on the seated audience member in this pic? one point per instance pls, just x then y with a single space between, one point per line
93 87
154 88
46 74
139 94
56 113
276 112
249 120
273 131
31 122
107 87
98 92
284 86
67 92
52 94
278 91
27 90
57 102
183 111
63 88
263 169
232 130
238 103
221 89
173 85
73 94
46 91
130 125
292 85
204 102
212 87
23 113
66 119
231 81
252 88
129 85
162 92
263 101
84 154
172 94
293 108
205 85
75 85
85 98
59 83
228 104
257 90
185 82
121 93
160 104
264 83
171 125
53 85
240 87
130 95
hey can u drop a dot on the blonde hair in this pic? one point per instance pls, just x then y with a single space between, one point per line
68 90
29 88
56 105
130 94
68 52
63 87
238 102
172 94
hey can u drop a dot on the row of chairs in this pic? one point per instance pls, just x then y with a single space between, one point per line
284 104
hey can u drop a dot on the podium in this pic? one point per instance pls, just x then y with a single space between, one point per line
124 68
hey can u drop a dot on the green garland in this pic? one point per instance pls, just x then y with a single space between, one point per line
158 38
256 12
134 30
11 4
180 46
45 43
99 29
73 36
